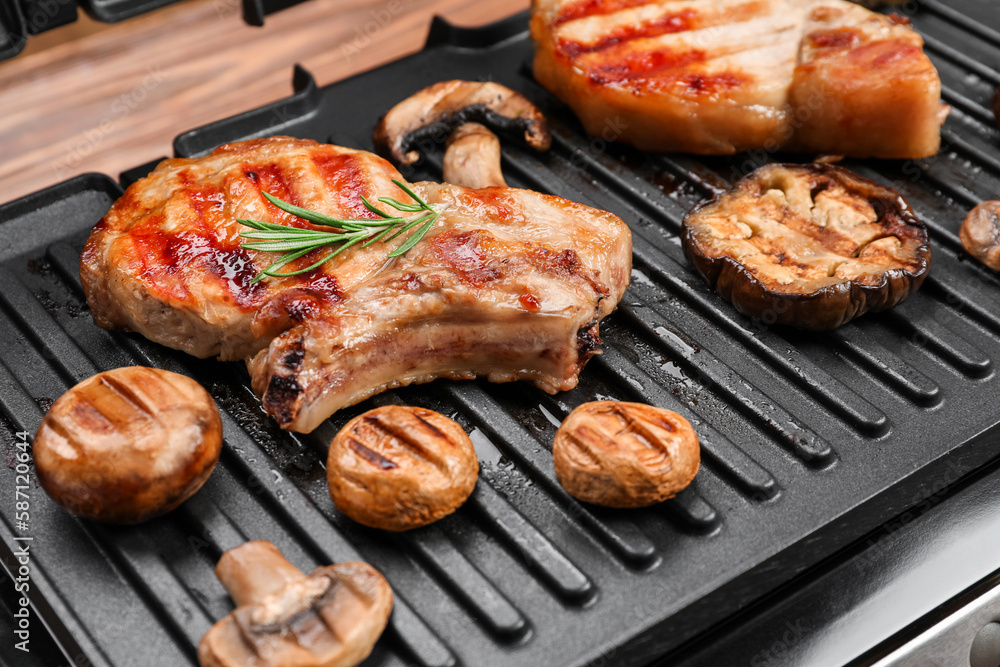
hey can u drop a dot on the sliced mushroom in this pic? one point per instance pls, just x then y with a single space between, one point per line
472 158
332 618
446 109
980 233
811 246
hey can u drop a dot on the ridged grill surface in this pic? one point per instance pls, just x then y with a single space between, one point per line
809 440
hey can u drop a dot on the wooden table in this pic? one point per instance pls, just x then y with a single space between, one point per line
98 97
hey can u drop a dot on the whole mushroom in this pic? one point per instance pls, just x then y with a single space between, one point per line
459 111
980 233
283 618
128 444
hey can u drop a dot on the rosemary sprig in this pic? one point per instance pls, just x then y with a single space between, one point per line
296 242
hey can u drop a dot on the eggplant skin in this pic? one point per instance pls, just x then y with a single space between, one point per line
820 246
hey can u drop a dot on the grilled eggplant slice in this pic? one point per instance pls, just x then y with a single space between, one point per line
810 246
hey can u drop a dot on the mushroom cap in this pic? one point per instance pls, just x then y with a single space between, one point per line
431 114
811 246
332 618
399 467
621 454
127 445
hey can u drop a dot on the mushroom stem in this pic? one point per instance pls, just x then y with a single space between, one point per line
472 158
254 571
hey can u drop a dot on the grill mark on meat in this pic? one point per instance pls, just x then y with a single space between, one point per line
587 8
281 396
657 70
465 254
345 180
838 38
662 25
371 455
294 356
161 253
271 178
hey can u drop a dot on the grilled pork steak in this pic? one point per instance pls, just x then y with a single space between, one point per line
721 77
509 284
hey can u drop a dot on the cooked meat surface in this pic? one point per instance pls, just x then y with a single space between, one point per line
509 284
812 246
720 77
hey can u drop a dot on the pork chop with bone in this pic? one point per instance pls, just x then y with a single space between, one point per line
508 284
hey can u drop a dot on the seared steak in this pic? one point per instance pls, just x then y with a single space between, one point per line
720 77
509 284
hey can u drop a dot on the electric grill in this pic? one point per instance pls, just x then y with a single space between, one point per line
845 503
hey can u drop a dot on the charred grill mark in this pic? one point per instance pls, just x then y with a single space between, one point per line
587 8
88 418
588 342
432 428
271 178
294 356
370 455
466 255
663 69
345 179
408 440
662 25
639 429
281 397
838 38
127 394
235 268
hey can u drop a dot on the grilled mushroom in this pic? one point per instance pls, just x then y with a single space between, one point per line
621 454
332 618
472 158
980 233
129 444
399 467
811 246
447 109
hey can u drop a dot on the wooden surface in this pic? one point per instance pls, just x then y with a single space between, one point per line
98 97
